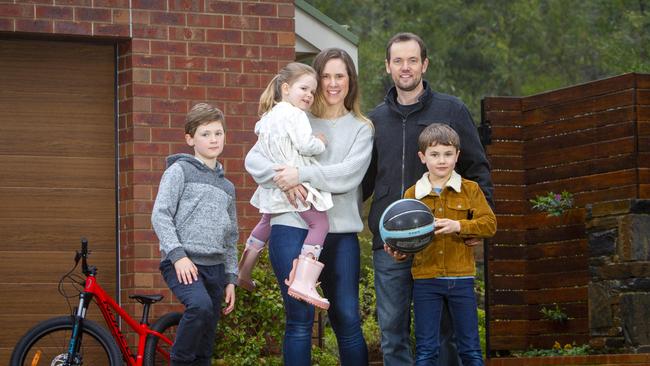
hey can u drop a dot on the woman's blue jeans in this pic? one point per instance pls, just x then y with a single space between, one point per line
428 298
340 284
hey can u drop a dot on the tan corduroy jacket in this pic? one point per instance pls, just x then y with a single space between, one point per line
460 200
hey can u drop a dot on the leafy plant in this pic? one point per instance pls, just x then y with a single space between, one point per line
555 314
481 329
557 350
552 203
324 357
252 333
367 306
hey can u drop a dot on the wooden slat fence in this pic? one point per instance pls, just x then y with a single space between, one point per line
592 140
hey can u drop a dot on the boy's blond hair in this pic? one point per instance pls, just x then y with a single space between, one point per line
438 134
201 114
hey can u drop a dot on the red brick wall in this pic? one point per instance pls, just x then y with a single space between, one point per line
172 54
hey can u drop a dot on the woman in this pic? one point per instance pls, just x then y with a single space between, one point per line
336 114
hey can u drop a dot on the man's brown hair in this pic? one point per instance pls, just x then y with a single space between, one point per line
404 37
201 114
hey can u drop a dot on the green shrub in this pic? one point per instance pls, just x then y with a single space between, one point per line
481 329
367 306
323 357
553 204
557 350
252 333
554 314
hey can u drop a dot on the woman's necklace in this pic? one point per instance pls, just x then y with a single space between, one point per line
333 120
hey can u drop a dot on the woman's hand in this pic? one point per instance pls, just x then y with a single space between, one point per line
286 177
447 226
230 299
295 194
186 271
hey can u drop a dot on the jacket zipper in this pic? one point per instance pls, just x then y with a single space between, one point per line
403 154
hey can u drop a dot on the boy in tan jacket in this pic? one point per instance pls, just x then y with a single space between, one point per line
445 270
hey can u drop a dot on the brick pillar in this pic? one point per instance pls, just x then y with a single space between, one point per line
619 266
182 53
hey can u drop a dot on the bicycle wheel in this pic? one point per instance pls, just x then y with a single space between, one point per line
47 344
156 351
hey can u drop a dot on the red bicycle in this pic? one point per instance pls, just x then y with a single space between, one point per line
74 340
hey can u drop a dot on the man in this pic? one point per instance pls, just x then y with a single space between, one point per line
409 106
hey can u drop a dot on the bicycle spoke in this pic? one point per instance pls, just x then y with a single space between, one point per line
52 348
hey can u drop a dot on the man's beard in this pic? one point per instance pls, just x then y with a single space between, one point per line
409 87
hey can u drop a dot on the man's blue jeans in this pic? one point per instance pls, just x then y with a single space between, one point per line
196 331
340 284
429 296
393 287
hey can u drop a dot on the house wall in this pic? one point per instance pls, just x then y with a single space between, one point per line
171 54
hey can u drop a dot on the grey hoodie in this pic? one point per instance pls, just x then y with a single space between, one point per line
195 214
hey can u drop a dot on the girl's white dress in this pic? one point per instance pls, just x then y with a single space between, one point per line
284 136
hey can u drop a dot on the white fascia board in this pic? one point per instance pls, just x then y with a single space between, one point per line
314 36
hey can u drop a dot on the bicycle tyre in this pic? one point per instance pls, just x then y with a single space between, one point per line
166 325
48 342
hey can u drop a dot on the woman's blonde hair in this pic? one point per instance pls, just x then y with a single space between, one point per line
352 100
272 95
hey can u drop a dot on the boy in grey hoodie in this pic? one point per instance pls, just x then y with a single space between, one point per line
195 220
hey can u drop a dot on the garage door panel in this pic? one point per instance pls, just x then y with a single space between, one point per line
22 323
57 171
42 267
69 60
54 203
42 298
62 138
54 102
63 234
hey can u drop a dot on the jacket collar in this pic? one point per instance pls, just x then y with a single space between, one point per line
423 186
423 99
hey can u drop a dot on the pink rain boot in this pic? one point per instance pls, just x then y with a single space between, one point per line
302 281
246 264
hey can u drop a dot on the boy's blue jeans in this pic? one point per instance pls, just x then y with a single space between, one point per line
196 331
340 284
428 298
394 287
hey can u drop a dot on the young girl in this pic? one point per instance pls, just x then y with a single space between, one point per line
285 138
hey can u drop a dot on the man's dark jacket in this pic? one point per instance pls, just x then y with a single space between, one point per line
395 165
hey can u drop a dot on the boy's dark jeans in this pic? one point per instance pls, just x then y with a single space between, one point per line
202 299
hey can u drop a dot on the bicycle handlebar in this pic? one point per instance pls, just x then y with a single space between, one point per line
85 268
84 255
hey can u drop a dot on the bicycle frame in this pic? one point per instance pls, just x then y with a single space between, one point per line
108 307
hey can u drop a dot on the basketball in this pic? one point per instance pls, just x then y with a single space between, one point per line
407 225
